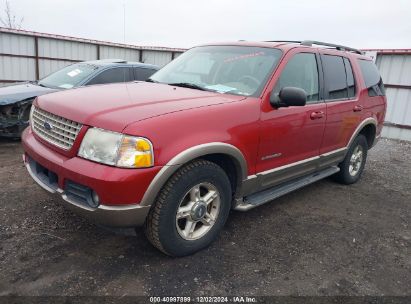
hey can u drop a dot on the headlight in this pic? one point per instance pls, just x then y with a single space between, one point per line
116 149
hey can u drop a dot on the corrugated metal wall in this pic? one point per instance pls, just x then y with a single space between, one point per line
395 69
30 55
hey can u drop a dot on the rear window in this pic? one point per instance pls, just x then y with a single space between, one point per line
372 78
335 77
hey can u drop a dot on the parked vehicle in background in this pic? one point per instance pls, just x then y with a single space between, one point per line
223 126
16 100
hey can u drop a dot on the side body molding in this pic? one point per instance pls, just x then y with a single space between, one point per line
192 153
273 177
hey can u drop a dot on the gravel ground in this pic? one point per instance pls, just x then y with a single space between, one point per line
325 239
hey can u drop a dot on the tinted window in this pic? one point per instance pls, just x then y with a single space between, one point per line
350 78
301 72
143 73
372 78
335 78
112 76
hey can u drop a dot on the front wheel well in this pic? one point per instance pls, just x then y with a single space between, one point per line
229 165
369 132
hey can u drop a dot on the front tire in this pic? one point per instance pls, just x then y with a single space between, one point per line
354 162
190 210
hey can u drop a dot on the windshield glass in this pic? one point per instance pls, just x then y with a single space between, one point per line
69 76
236 70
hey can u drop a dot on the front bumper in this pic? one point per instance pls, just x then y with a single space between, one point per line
119 190
113 216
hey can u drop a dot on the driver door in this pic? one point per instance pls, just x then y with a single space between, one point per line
291 137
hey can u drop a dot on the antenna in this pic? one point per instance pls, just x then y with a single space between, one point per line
124 21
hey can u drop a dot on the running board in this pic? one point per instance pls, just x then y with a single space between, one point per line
270 194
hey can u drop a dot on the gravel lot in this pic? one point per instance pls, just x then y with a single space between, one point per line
325 239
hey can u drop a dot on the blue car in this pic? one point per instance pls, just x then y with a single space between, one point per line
15 100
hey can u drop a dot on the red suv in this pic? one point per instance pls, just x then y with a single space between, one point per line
224 126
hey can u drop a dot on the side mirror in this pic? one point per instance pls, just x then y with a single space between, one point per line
289 97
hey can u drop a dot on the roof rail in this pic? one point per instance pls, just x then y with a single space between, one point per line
336 46
311 42
285 41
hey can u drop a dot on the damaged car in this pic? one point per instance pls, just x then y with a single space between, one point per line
16 100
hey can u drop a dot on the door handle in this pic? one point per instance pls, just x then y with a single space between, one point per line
317 115
358 108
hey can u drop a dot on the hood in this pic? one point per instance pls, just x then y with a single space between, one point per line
14 93
115 106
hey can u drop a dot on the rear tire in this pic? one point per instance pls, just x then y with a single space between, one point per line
190 210
354 162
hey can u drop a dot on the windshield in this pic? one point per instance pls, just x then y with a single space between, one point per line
236 70
69 76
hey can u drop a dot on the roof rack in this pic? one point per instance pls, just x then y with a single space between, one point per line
311 42
286 41
336 46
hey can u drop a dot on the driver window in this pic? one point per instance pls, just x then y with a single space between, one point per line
301 72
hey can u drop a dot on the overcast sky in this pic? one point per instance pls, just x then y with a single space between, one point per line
185 23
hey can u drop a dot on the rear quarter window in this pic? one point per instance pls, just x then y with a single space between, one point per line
372 78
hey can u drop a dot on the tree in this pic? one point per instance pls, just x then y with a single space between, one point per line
8 19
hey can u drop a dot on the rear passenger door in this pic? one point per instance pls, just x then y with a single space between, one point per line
342 102
113 75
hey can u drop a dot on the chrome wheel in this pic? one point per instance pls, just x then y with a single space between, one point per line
356 160
198 211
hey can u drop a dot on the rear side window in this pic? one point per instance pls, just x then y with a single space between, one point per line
143 73
301 72
335 77
350 78
372 78
112 76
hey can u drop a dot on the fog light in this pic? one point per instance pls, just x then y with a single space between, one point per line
95 200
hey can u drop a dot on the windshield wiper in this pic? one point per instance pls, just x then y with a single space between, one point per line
151 80
189 85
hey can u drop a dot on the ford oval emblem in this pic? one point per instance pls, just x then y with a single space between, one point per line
47 126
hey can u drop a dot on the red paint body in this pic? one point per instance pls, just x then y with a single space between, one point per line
175 119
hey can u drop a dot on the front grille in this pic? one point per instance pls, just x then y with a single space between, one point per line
56 130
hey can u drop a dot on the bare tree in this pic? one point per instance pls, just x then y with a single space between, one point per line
8 19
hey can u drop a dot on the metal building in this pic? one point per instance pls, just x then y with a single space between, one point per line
395 69
28 55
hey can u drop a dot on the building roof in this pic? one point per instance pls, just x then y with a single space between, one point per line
390 51
84 40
